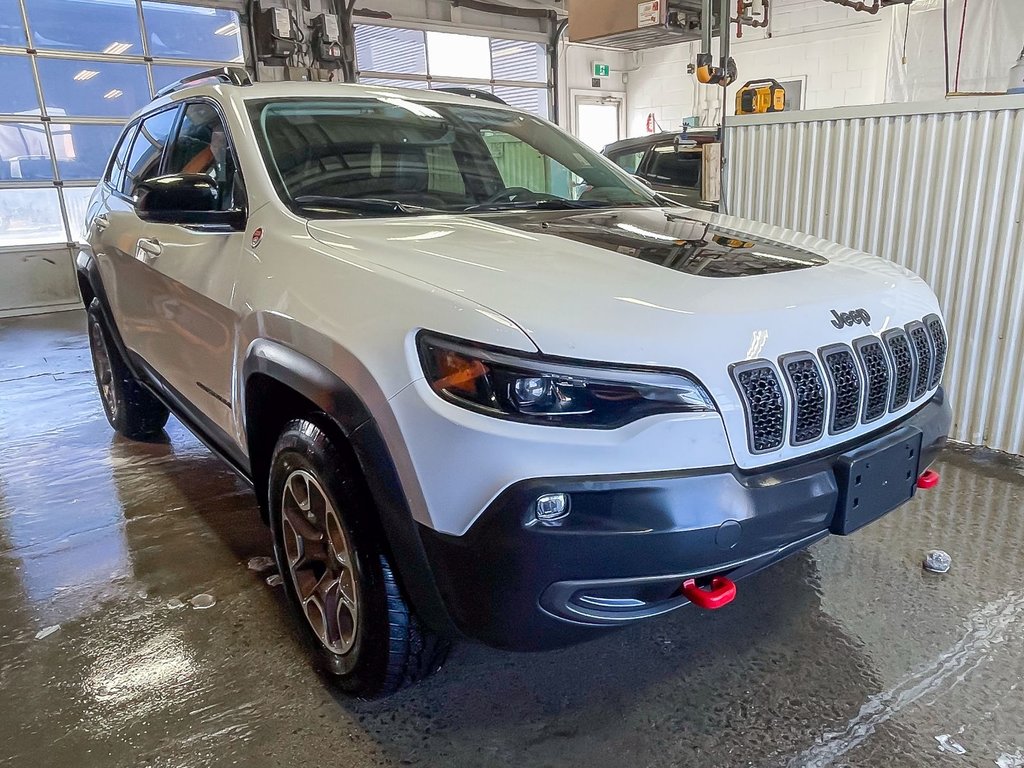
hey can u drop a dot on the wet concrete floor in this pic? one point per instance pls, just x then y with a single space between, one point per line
847 655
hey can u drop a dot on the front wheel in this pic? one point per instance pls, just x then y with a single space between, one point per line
130 408
336 572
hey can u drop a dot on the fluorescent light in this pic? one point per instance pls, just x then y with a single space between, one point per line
113 93
227 29
86 74
116 48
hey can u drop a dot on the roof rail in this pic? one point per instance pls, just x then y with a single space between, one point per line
473 93
230 75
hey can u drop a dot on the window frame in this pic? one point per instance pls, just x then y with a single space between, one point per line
127 138
238 178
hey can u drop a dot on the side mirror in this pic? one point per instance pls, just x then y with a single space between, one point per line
188 198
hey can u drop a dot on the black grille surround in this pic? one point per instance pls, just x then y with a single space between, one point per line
877 377
764 403
840 386
807 392
898 344
845 383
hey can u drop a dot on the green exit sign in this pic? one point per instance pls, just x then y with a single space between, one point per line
602 70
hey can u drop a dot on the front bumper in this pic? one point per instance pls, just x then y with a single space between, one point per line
630 541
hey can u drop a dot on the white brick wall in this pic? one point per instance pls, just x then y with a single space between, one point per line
842 53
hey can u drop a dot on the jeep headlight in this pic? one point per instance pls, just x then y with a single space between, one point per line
542 390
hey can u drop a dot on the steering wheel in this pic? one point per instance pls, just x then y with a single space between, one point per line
510 195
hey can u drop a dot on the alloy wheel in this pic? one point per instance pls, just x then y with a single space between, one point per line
321 562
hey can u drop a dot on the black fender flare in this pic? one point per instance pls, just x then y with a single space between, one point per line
350 414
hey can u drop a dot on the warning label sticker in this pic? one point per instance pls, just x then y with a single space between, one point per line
648 14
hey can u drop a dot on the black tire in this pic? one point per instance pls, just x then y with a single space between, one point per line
373 645
131 409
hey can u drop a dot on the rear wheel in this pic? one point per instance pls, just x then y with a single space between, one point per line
130 408
336 572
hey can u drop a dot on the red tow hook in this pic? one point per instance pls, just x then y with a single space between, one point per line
928 479
722 591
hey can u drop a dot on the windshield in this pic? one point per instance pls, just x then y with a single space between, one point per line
388 155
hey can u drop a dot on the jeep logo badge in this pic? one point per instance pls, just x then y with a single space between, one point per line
851 318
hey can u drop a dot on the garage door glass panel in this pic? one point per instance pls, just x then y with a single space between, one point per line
451 55
534 100
12 31
30 217
97 26
387 49
18 95
518 60
24 152
144 158
187 32
82 150
92 88
76 201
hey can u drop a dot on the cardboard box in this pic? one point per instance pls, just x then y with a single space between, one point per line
594 19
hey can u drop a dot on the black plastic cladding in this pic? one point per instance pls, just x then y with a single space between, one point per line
807 389
765 405
903 367
845 380
877 376
919 342
938 337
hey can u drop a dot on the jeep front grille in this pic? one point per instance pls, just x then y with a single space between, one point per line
844 382
839 387
938 338
903 368
923 353
807 389
765 406
876 368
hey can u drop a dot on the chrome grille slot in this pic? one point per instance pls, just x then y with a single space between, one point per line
845 383
876 370
903 367
807 390
765 406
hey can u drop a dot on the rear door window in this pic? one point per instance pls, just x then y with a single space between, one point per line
675 168
147 151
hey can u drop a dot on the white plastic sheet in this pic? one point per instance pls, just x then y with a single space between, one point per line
993 35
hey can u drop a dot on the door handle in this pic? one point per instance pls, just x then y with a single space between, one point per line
101 222
151 247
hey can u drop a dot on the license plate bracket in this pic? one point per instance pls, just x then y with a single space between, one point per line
876 478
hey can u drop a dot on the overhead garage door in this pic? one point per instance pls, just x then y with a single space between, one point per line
514 70
72 72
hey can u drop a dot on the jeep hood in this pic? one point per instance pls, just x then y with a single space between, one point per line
644 286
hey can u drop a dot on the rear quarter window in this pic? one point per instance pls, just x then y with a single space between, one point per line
115 170
628 161
675 168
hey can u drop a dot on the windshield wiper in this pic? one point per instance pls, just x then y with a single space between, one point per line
548 204
361 205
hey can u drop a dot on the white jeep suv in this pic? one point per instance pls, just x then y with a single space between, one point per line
484 383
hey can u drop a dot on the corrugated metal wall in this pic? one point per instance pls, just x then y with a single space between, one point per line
940 192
